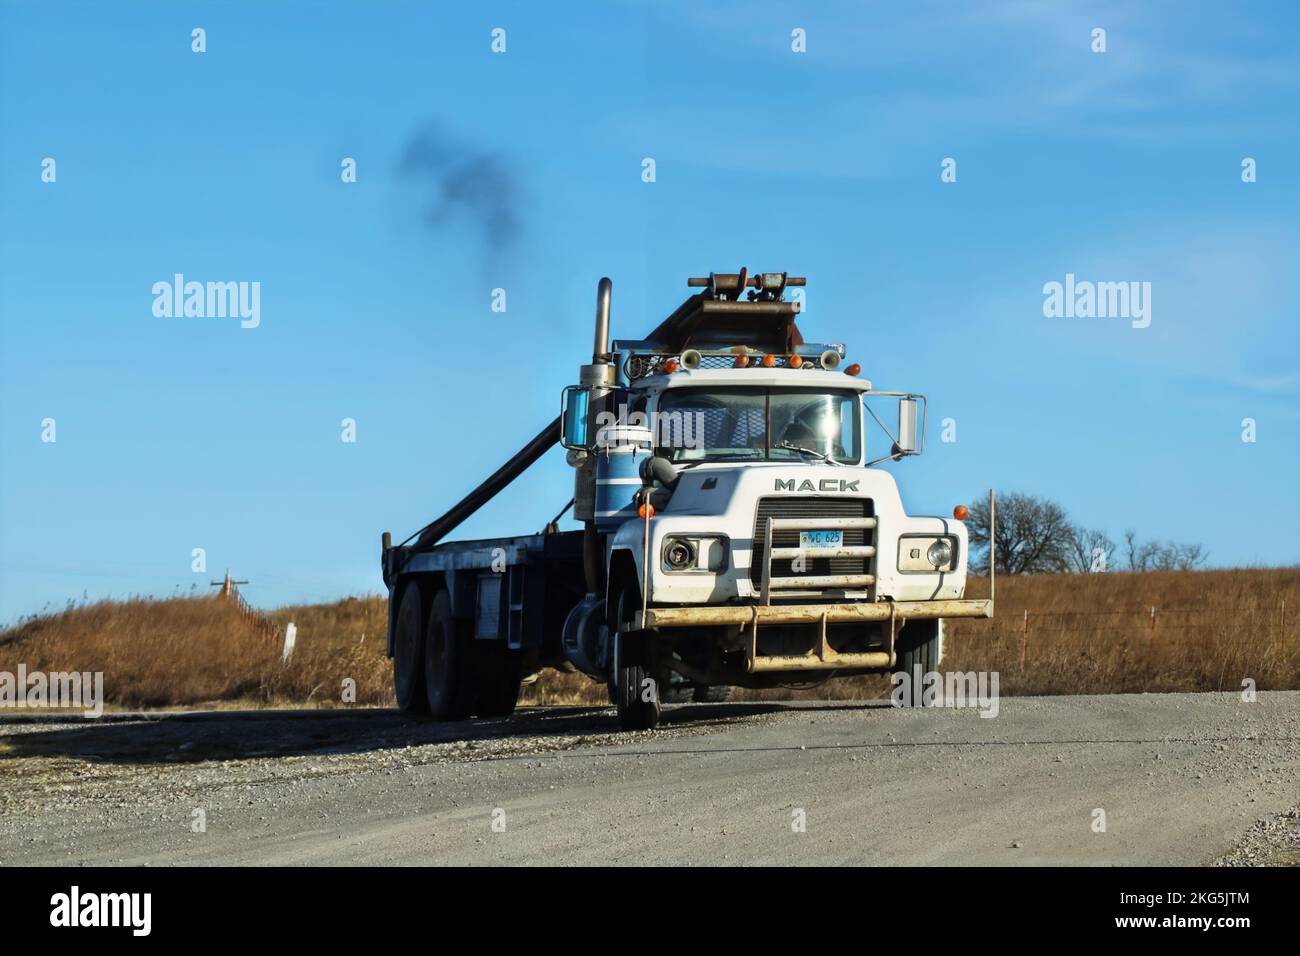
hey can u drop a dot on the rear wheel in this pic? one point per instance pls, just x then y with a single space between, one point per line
636 689
919 645
408 652
448 675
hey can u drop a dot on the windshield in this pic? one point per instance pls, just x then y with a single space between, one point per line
738 424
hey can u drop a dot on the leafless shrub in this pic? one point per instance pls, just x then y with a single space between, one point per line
1162 555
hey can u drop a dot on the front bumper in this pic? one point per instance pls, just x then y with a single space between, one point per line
821 656
750 614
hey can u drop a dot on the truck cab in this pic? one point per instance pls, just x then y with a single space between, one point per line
784 444
748 536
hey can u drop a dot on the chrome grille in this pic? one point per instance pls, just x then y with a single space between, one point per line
810 508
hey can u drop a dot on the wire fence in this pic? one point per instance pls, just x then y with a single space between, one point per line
1150 622
1154 616
254 617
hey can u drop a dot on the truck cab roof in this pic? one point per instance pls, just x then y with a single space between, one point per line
813 379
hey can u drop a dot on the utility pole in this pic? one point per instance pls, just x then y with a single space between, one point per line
227 586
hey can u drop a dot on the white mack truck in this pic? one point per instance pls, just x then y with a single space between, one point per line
735 529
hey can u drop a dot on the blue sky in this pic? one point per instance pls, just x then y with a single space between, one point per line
177 433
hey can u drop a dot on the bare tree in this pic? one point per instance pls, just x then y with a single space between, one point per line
1139 555
1033 536
1090 550
1174 556
1162 556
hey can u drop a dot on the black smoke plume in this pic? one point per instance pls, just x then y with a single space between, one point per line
468 185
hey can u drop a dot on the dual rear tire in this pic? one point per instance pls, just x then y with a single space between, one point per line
408 653
441 670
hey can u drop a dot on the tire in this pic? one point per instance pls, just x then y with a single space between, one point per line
448 671
408 653
920 646
636 687
711 695
497 679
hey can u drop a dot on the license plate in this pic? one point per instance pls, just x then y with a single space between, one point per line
820 539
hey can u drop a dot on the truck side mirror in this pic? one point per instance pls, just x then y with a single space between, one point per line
574 417
907 443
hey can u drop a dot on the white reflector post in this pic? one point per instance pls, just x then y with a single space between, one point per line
290 635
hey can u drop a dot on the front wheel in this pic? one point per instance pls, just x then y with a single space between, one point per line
636 684
920 646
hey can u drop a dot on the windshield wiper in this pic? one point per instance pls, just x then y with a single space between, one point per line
713 459
791 446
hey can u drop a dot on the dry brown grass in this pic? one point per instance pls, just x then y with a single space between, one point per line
1092 634
188 651
335 642
153 653
1087 634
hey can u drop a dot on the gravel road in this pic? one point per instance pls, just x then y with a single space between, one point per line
1180 778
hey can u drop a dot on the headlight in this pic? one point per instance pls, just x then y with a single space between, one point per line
679 555
700 553
927 553
940 553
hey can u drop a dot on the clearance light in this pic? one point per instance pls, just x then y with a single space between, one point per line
769 361
795 361
741 361
961 512
644 508
670 366
853 369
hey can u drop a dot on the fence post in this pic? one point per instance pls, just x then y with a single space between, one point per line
1024 640
1151 631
